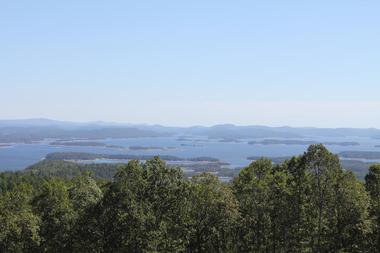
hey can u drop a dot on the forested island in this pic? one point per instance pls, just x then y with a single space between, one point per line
56 164
18 134
301 142
150 148
368 155
84 144
92 156
307 203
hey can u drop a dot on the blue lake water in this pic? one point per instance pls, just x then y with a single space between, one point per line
19 156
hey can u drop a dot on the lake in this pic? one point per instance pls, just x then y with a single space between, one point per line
19 156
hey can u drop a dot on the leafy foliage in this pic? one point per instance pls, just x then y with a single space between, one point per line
305 204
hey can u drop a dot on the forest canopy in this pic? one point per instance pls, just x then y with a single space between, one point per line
307 203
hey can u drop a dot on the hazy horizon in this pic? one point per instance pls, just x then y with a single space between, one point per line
126 123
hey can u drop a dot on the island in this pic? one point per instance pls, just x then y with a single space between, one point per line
190 166
300 142
193 140
366 155
191 145
33 134
84 144
230 140
80 156
150 148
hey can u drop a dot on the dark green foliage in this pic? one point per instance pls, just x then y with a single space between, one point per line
372 183
56 211
9 180
106 171
261 191
214 215
84 192
85 195
305 204
72 156
360 168
19 226
145 209
69 170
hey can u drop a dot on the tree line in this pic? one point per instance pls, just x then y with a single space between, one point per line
306 204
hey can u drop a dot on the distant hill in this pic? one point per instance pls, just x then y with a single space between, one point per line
37 129
232 131
27 134
225 131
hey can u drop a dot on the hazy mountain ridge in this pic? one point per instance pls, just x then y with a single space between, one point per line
27 130
19 133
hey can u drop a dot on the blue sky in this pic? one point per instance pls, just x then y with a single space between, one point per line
298 63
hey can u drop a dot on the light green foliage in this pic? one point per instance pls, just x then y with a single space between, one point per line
84 192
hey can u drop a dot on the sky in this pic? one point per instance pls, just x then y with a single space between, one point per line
199 62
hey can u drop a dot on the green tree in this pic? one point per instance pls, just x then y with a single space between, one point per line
278 208
124 212
146 209
372 184
298 205
307 204
324 168
54 207
84 194
338 204
167 192
214 215
251 188
348 219
263 193
19 227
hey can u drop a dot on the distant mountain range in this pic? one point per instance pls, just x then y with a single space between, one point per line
29 130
